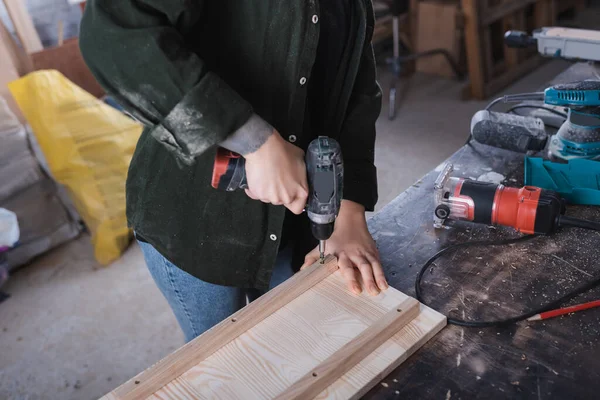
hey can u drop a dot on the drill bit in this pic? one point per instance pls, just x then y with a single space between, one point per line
322 251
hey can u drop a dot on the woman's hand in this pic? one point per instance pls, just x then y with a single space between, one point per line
355 249
276 174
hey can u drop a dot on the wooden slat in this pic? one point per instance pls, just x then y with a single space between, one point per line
422 329
13 63
490 67
503 10
437 28
413 11
343 360
544 14
511 55
23 25
171 367
474 49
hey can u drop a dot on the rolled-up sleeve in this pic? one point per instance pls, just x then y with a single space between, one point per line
137 52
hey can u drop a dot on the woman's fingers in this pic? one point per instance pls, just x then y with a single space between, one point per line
377 271
366 271
347 271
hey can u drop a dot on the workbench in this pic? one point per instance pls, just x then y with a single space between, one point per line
557 358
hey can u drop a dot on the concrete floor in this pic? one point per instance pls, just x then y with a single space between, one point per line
74 330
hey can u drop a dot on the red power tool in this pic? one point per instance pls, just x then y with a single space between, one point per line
529 210
229 172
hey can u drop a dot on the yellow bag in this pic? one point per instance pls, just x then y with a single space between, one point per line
88 146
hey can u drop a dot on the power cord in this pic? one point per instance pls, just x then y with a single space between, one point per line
550 110
565 221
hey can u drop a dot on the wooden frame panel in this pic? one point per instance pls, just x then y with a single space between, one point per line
319 327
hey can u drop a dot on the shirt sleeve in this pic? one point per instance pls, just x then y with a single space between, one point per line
137 52
358 134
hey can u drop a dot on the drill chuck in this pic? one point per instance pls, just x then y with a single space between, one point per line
321 231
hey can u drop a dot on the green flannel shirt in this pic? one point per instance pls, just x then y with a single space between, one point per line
193 72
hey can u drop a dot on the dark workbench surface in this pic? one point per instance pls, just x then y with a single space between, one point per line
557 358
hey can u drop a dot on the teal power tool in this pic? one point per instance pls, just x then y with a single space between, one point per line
325 174
577 137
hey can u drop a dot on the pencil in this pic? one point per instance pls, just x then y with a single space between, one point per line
565 310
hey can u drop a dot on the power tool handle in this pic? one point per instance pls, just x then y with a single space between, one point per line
508 131
229 171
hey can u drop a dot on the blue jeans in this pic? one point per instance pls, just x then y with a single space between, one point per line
199 305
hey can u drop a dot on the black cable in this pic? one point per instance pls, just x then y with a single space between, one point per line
563 220
507 321
550 110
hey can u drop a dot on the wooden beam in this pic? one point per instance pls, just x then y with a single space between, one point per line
13 64
23 24
343 360
151 380
511 55
474 48
544 14
504 9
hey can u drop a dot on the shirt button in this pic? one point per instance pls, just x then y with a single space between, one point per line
302 81
292 138
315 19
273 237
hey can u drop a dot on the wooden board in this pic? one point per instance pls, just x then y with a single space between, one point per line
284 345
437 29
13 64
23 24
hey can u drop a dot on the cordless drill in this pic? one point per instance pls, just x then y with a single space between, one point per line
529 210
325 174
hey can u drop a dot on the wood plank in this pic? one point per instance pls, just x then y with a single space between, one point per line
437 28
474 48
148 382
23 24
271 356
413 22
344 359
490 67
544 14
13 63
422 329
504 9
511 55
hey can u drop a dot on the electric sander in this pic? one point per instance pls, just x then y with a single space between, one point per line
577 137
325 174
